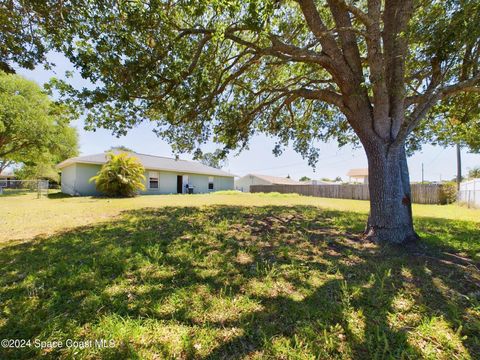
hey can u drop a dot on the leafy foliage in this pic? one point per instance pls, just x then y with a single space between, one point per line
121 175
214 159
474 173
21 38
34 130
304 178
121 148
448 192
41 170
221 71
456 121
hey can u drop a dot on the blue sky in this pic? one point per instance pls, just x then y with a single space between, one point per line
439 163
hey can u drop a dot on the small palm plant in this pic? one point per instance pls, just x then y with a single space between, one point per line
121 175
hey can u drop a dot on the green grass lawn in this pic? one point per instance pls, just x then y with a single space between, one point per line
235 276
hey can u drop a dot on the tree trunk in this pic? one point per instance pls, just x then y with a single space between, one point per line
390 219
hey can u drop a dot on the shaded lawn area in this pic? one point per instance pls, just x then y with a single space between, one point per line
244 282
25 216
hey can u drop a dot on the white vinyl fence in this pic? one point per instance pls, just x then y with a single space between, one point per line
469 193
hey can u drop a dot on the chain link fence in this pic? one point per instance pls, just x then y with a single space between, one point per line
20 187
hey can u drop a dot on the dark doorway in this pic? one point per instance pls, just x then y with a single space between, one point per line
179 184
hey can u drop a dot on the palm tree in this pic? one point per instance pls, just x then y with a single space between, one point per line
121 175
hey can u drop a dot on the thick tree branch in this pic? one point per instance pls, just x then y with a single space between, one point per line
470 85
358 13
321 32
5 152
395 19
298 54
429 99
357 103
376 62
348 40
327 96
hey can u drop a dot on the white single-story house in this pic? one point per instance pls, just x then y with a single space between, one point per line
243 184
358 175
163 175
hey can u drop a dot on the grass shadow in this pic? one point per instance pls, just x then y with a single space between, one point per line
234 282
53 194
16 192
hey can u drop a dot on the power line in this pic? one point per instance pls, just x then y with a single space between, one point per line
436 156
297 163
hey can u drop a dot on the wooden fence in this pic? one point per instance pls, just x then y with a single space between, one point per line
421 193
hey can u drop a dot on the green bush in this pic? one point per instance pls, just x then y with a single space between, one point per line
121 175
448 193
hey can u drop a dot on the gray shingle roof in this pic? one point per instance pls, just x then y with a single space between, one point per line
152 162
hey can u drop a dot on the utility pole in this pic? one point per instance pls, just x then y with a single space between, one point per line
459 166
423 178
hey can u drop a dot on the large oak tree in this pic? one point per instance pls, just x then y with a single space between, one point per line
303 71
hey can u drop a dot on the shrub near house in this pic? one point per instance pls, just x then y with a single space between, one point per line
121 175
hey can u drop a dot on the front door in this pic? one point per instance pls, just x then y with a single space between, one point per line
179 184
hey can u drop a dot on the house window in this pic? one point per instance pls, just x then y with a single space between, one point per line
153 180
210 183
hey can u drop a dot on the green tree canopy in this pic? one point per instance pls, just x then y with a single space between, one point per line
121 148
21 38
34 130
474 173
214 159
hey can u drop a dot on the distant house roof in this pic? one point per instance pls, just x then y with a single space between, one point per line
151 162
357 172
276 180
7 174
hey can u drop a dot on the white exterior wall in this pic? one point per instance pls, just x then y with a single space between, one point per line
75 179
243 184
168 183
68 179
84 172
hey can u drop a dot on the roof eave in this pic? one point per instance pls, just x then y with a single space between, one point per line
69 162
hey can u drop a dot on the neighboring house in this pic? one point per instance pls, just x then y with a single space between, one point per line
162 175
6 177
358 176
243 184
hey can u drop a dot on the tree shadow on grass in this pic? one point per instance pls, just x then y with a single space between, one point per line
55 194
235 282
